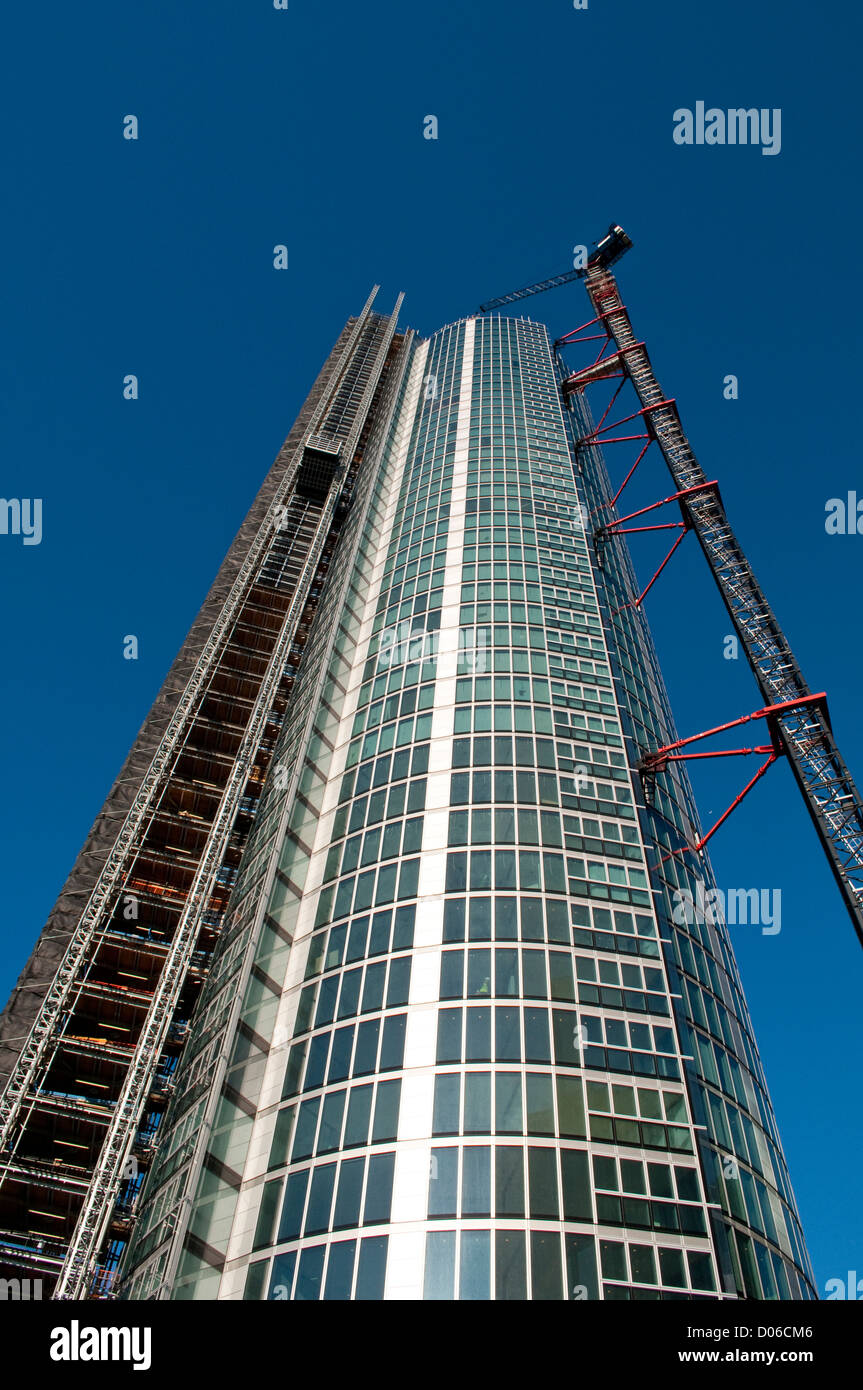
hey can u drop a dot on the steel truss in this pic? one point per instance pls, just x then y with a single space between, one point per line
658 760
800 721
22 1091
95 1213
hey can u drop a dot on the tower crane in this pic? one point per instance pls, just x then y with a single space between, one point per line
799 721
610 249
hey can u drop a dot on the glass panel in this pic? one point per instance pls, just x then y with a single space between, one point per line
256 1277
507 1103
267 1214
398 985
293 1070
371 1273
506 972
612 1254
643 1264
359 1109
379 1190
565 1034
474 1275
340 1061
560 968
447 1099
373 989
581 1267
367 1047
320 1199
576 1185
453 920
282 1276
443 1182
356 951
510 1265
509 1181
478 973
386 1112
331 1121
403 930
476 1181
701 1269
535 980
316 1066
537 1047
478 1042
542 1171
545 1265
347 1212
340 1270
449 1035
309 1275
477 1103
292 1210
505 919
507 1028
350 993
380 937
440 1265
671 1268
540 1103
393 1043
570 1107
480 919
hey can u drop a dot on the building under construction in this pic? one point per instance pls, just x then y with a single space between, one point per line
367 981
95 1026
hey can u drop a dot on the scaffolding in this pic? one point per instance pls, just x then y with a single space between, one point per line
81 1112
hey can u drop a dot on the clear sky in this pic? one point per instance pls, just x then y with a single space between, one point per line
305 127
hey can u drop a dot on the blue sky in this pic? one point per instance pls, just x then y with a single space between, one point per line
304 127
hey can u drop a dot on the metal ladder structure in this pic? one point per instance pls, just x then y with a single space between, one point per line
803 726
120 1136
111 876
367 343
105 1183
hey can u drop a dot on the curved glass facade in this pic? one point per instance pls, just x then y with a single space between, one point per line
477 1057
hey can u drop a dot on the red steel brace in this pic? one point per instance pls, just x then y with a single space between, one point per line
601 369
572 336
616 528
658 761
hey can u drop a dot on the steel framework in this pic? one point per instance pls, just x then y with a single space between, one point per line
802 723
801 719
293 540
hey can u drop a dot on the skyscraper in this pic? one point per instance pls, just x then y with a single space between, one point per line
413 1015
